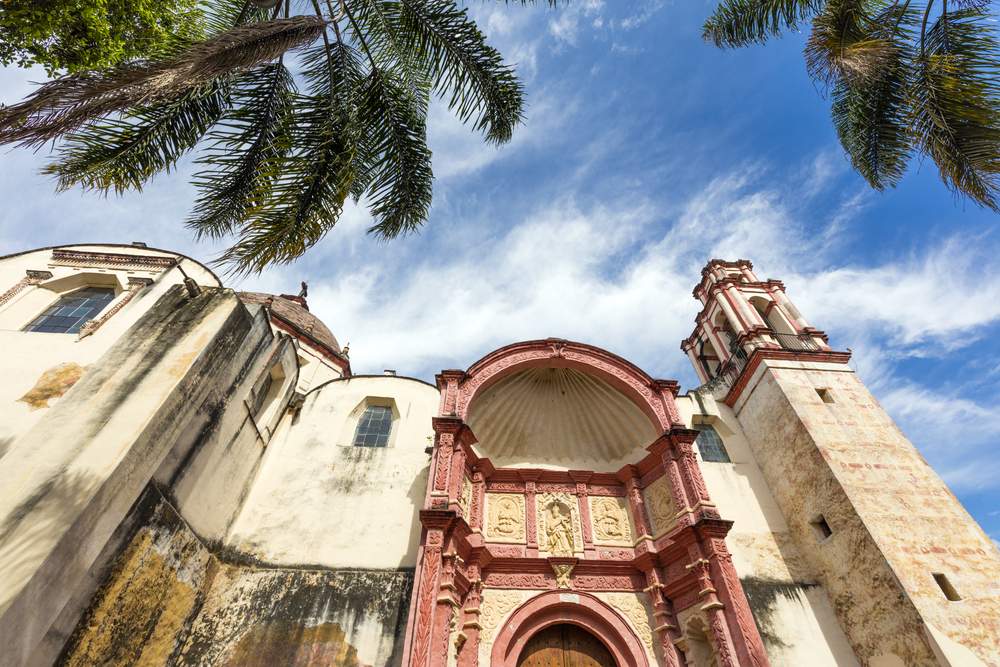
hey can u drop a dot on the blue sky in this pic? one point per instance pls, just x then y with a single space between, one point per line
645 153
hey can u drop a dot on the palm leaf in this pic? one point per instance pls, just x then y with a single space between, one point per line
308 195
124 153
247 148
870 107
956 104
479 87
397 163
845 44
64 104
738 23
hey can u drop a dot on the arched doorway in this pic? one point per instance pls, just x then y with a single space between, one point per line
565 645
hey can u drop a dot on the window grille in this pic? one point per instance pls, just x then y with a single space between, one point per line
72 310
710 445
374 427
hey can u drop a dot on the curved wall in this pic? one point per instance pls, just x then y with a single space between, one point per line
318 500
558 418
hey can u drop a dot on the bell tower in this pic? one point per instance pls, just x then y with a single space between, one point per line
913 578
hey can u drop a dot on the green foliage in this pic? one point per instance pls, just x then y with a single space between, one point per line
901 84
74 35
277 164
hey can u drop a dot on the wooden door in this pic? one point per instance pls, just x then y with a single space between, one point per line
565 646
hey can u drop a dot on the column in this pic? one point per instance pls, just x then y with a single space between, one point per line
742 629
467 643
711 608
664 620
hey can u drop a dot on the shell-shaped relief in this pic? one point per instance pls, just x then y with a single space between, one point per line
559 532
612 524
505 517
659 505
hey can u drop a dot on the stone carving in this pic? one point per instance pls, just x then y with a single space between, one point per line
563 572
465 501
559 524
659 505
632 608
495 607
611 521
518 580
505 517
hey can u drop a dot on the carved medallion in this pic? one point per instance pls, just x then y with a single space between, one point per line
660 506
505 517
611 521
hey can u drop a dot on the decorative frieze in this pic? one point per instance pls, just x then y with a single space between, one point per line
111 260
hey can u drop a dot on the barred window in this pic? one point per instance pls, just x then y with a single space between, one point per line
374 427
710 445
72 310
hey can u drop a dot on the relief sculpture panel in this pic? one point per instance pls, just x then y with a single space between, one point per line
612 525
660 506
559 532
505 517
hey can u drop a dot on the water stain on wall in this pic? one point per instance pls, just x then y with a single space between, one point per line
52 384
169 600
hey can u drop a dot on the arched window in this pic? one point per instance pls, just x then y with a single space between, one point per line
710 445
72 310
374 427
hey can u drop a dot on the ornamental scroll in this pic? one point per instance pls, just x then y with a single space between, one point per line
505 517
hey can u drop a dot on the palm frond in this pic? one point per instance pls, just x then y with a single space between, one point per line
307 196
956 104
738 23
124 153
64 104
247 149
846 44
870 111
396 161
462 67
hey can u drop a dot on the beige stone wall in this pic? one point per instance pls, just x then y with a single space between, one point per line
792 610
319 500
894 521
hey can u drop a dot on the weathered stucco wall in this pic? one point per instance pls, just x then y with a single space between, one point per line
40 367
792 610
894 522
151 402
169 601
318 500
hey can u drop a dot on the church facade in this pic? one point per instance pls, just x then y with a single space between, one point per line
191 475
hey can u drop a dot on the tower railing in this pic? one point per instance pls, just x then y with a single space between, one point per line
795 342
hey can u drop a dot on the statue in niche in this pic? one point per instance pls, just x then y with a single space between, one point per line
610 520
559 529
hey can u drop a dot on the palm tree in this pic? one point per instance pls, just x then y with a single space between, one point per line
906 78
280 154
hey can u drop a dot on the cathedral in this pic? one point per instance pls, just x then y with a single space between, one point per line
192 475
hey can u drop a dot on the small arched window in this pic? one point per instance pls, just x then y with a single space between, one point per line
72 310
374 427
710 445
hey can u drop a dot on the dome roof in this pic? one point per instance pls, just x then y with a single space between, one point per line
293 311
